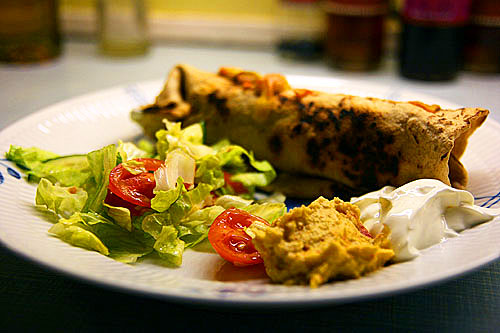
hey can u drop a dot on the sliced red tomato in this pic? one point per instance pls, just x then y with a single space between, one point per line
228 237
237 187
114 200
136 188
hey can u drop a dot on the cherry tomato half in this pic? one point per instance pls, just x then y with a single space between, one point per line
228 237
237 187
114 200
135 188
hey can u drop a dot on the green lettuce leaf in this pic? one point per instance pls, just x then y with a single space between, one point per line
193 133
275 197
174 230
163 200
153 223
268 211
120 215
129 151
193 229
177 219
189 202
228 201
169 246
189 139
78 235
233 158
71 170
173 236
134 167
101 162
94 232
209 171
147 146
28 158
59 200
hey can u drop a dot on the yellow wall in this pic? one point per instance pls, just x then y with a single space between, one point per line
257 8
218 7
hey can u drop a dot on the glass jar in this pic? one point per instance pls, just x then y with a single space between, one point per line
355 33
122 28
29 31
301 29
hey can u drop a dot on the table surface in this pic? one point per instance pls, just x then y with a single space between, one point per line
34 298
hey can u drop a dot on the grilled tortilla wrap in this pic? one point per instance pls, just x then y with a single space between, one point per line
349 144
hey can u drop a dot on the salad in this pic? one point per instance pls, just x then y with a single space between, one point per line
134 199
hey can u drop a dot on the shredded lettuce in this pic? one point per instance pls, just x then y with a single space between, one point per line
180 215
173 236
189 139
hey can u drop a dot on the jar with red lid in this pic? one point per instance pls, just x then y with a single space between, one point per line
432 38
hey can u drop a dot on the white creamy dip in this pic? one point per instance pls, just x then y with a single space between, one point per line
420 214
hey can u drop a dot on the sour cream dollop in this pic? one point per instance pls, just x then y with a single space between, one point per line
420 214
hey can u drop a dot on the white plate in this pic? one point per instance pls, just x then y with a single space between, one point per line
92 121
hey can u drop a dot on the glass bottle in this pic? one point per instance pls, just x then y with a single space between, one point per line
301 28
29 31
432 37
355 33
122 28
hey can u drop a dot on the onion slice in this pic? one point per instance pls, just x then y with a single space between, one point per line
177 164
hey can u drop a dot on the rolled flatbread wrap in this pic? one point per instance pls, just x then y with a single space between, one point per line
348 144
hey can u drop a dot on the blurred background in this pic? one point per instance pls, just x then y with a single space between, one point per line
430 40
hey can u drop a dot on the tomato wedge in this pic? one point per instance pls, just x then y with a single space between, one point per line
136 188
237 187
228 237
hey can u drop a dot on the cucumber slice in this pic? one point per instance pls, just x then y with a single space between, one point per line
68 161
69 170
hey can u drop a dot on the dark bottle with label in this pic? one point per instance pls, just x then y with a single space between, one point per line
432 38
